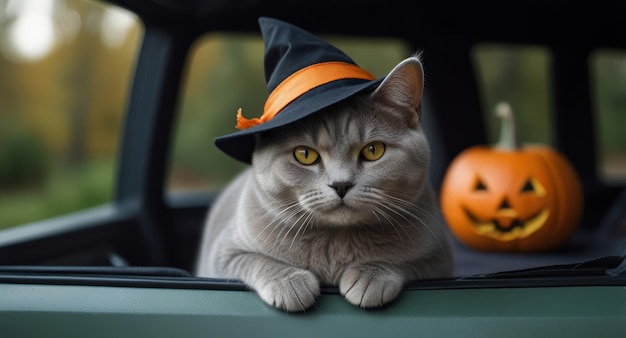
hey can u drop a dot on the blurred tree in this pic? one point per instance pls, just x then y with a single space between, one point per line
82 63
518 75
24 162
228 74
60 115
76 95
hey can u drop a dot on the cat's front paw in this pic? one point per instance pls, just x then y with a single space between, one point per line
292 290
370 285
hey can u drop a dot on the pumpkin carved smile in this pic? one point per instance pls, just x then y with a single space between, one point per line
506 225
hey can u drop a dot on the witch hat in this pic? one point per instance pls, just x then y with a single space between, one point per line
304 74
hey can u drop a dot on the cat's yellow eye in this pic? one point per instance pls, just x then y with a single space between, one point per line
373 151
306 155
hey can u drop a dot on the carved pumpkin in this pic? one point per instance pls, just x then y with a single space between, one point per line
509 198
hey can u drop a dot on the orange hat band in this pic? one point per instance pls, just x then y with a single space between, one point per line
301 82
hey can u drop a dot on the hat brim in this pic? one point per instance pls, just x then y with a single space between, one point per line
240 145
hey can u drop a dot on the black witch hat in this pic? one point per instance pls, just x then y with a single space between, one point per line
304 74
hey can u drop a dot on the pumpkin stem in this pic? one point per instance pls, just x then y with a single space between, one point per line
508 131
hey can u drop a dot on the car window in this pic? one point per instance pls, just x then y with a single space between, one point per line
65 72
519 74
609 84
225 73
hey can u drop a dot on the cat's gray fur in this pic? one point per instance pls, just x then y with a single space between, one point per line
282 228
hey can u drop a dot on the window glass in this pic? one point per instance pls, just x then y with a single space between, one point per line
609 76
518 75
65 71
226 73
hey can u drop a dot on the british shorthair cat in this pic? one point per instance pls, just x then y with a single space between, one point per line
340 197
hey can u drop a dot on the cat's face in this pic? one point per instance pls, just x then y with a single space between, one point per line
350 164
361 161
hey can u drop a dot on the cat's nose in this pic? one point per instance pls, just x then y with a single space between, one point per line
341 187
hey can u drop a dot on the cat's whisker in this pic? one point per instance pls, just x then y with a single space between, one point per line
413 209
429 228
283 204
388 219
287 227
313 200
399 211
308 198
277 218
373 198
376 215
302 229
295 224
273 224
409 209
415 206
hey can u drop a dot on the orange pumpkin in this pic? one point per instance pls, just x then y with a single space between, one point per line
509 198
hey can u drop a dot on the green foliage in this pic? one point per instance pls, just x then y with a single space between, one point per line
60 117
519 76
23 158
234 81
611 100
67 190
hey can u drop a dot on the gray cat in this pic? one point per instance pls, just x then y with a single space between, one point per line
340 197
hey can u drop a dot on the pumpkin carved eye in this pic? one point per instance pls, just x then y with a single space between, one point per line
306 155
528 187
480 186
532 186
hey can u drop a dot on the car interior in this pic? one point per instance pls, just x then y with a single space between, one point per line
148 231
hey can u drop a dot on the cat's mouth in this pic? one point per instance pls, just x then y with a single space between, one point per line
507 225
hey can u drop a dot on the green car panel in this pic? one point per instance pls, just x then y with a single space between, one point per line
104 311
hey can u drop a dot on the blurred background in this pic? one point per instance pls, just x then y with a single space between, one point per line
66 69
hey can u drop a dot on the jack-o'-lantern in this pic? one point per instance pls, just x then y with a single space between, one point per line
511 198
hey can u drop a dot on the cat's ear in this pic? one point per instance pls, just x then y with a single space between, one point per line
403 87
